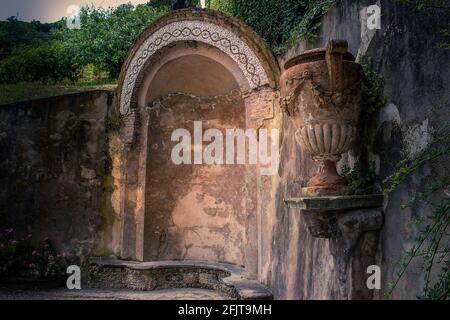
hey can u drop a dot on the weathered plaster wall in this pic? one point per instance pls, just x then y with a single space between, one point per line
194 211
55 170
416 75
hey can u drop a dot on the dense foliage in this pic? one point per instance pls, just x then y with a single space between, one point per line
46 61
279 22
107 34
60 53
52 52
15 34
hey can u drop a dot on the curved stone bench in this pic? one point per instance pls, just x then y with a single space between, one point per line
226 278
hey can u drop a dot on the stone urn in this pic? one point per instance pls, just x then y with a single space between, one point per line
320 89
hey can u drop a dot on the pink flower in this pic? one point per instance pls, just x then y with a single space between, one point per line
14 242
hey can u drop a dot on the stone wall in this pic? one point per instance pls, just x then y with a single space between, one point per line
416 77
54 169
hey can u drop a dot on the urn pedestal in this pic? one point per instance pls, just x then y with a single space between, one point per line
321 90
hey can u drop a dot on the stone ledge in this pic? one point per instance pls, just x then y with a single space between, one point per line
335 203
146 276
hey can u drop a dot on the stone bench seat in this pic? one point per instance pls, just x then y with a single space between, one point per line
145 276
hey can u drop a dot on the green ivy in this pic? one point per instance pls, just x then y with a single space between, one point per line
372 97
281 23
360 181
309 26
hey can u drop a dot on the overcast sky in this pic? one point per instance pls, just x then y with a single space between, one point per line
50 10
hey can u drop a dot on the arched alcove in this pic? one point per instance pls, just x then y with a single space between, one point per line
192 211
194 74
191 66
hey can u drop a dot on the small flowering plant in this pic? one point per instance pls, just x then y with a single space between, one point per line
45 263
19 259
13 254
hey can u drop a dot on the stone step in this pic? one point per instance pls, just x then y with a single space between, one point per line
227 279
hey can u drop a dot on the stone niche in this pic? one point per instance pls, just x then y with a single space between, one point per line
193 211
192 65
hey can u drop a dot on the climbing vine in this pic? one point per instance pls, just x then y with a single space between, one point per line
431 245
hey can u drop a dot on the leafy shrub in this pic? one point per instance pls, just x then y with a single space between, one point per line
45 62
14 254
106 35
15 33
46 264
18 258
159 3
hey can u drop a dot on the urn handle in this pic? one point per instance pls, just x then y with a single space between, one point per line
336 49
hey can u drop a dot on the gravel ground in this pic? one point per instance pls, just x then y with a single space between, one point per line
95 294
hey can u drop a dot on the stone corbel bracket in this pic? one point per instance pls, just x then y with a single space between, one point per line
352 225
326 217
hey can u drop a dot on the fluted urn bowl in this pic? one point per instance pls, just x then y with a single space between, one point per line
320 89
